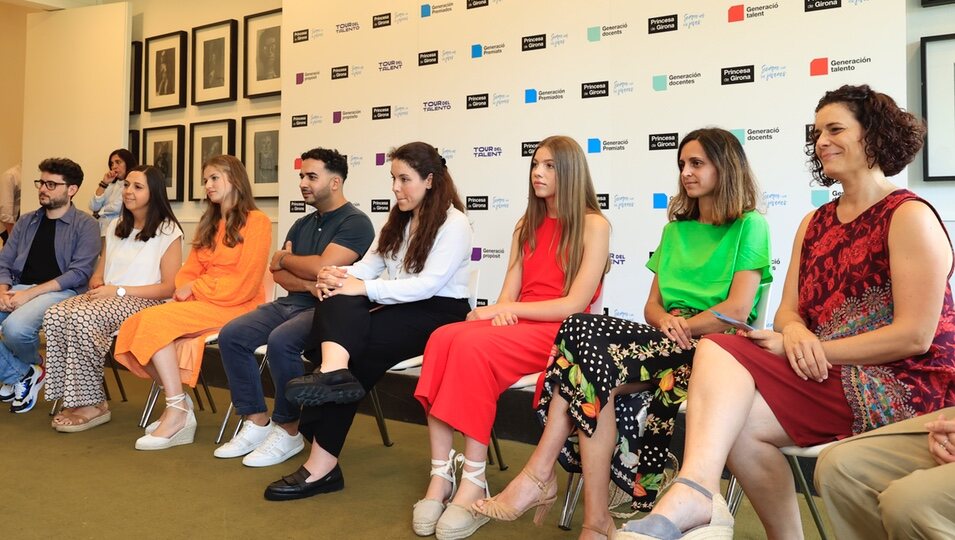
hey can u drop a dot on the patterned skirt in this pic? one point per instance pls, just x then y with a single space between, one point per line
594 354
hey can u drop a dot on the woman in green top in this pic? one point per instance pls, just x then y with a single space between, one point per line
714 253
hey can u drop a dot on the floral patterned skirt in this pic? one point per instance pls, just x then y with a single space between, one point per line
592 355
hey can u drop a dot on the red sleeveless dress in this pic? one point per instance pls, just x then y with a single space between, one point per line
467 365
845 289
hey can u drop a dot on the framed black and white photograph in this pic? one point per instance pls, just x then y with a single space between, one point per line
166 71
214 62
207 139
262 61
132 143
938 106
164 147
136 77
260 151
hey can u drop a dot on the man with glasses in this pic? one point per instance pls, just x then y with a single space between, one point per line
49 258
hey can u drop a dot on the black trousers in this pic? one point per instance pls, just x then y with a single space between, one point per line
375 340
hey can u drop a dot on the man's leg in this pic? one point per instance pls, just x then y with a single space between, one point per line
21 329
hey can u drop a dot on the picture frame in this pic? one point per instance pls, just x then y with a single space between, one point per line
207 139
214 62
166 71
132 143
938 107
164 147
136 77
260 151
262 59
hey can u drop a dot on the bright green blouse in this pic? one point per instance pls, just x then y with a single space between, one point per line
698 260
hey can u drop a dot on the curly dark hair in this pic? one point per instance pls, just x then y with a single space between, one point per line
71 172
335 163
892 135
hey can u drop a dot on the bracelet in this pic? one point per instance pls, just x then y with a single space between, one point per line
103 185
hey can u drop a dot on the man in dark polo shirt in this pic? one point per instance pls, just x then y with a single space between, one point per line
337 234
49 258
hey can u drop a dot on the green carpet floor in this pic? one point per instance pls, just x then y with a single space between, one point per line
95 485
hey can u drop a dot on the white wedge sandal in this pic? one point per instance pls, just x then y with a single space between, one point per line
427 511
458 521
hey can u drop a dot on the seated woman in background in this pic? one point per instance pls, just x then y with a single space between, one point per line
559 253
714 253
107 202
137 270
865 333
222 278
367 323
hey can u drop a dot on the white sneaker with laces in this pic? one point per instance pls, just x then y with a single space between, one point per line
6 393
278 447
246 440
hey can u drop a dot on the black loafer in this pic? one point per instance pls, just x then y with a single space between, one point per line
294 486
317 388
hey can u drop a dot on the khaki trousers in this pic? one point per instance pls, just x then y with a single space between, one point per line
885 484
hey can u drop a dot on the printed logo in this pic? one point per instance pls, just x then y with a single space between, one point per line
768 72
816 5
660 202
448 55
428 10
771 200
437 105
528 148
299 36
500 203
665 23
305 76
477 4
810 133
488 151
380 159
596 146
501 99
664 141
662 82
354 161
594 89
448 154
390 65
340 72
595 33
621 314
621 202
340 116
380 205
316 119
737 75
622 87
477 101
476 202
532 43
296 207
479 51
351 26
299 120
380 21
617 259
533 95
486 253
740 135
693 20
740 12
825 66
381 113
603 201
556 39
427 58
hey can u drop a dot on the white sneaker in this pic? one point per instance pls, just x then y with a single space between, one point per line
246 440
275 449
6 393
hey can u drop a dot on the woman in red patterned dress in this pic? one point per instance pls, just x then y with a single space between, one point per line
865 332
559 252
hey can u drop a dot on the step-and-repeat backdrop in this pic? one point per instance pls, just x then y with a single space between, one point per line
484 80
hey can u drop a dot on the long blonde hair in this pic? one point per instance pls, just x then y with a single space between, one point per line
243 202
575 199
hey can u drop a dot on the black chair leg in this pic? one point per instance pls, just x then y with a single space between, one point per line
380 418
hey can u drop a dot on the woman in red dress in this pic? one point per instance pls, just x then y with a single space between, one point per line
865 332
559 253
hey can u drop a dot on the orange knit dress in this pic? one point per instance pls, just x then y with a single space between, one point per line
226 283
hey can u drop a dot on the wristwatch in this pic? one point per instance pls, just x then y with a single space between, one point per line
120 292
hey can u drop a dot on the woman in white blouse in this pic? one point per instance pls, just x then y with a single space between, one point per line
137 270
367 323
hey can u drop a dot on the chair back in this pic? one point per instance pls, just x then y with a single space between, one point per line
597 307
268 285
762 307
473 279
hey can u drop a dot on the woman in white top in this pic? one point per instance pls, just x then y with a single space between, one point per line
107 202
367 323
137 270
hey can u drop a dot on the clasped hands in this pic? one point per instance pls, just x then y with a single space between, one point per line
941 440
799 346
498 314
335 280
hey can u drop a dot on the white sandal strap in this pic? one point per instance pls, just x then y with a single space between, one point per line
472 476
176 402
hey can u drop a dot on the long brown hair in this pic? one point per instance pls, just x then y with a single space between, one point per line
575 199
242 203
736 191
158 212
432 211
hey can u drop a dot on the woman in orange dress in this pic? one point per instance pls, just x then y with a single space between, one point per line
222 279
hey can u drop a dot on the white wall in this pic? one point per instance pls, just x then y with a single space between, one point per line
922 22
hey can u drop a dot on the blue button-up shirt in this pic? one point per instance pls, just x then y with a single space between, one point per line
76 241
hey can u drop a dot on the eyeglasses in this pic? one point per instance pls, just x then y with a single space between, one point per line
50 185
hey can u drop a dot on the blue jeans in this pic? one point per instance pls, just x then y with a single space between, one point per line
286 330
21 329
